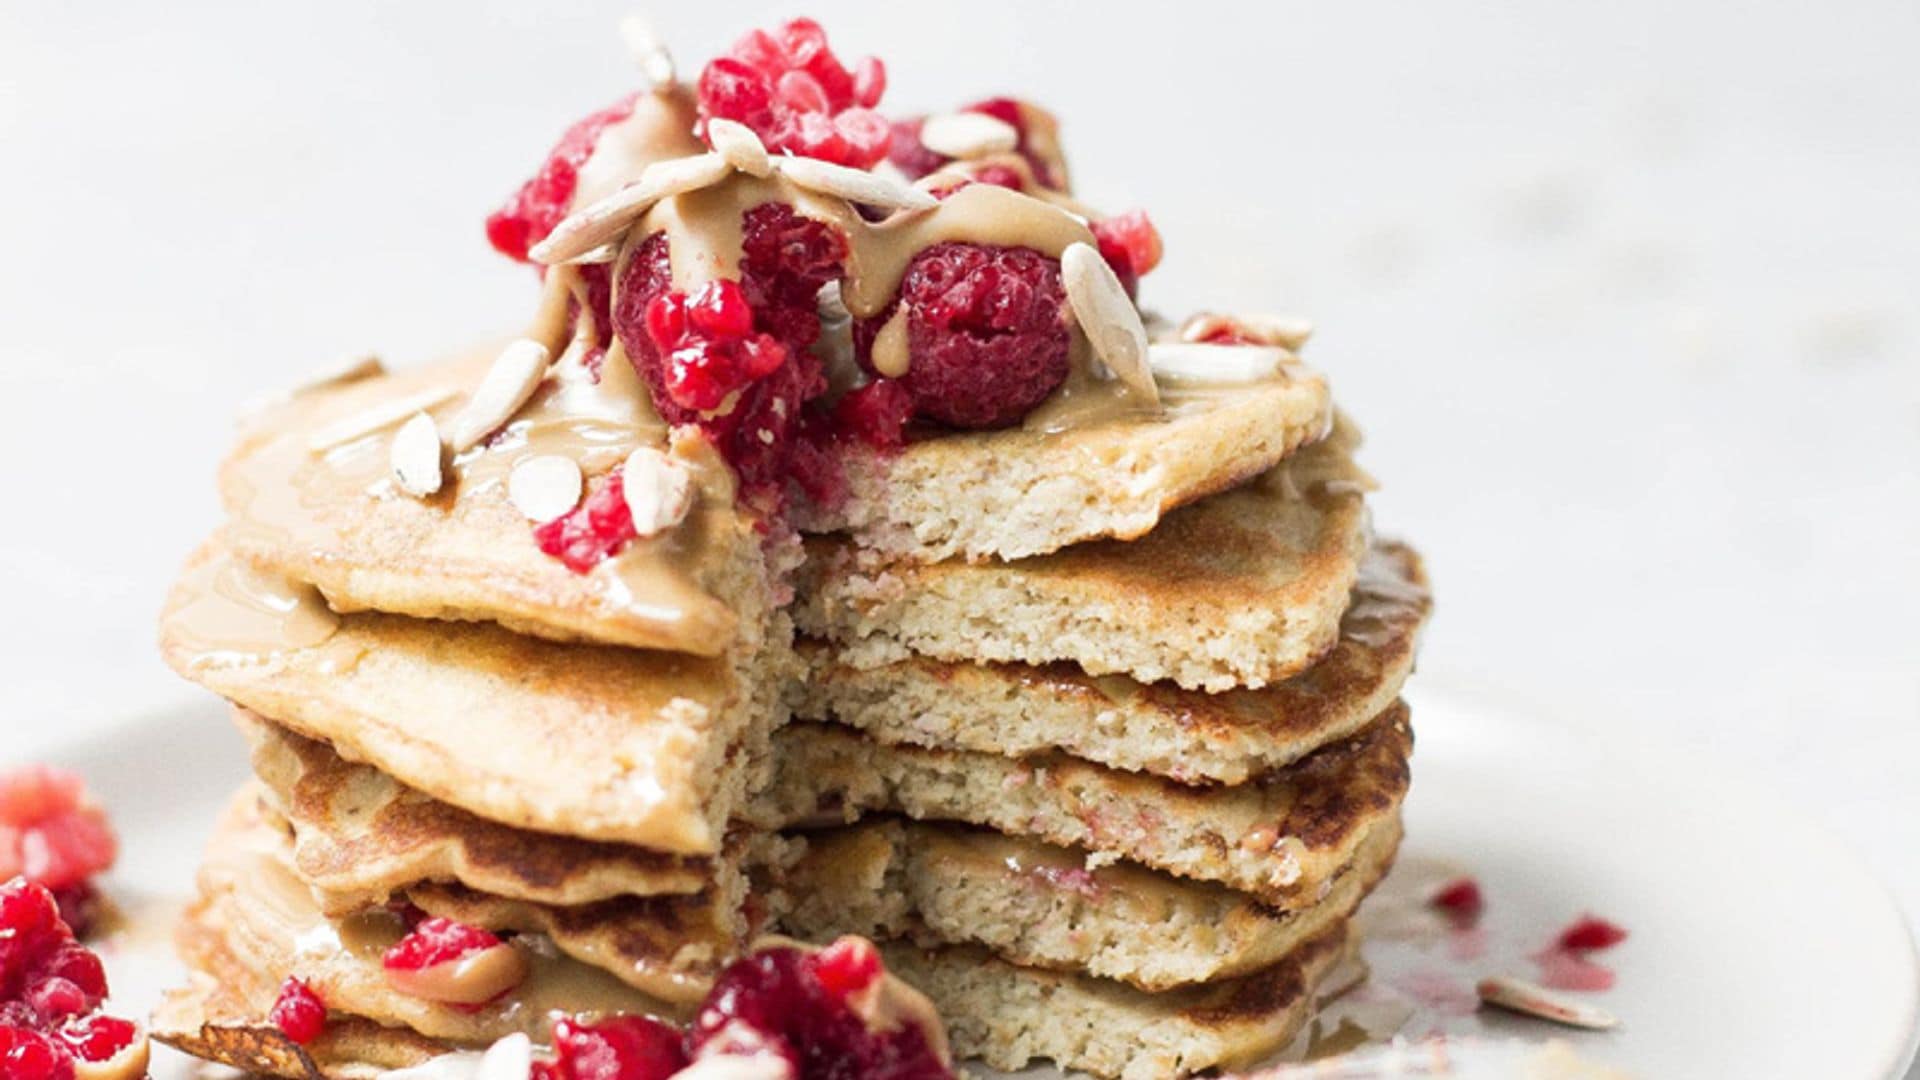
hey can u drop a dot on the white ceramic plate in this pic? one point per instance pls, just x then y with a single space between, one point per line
1758 948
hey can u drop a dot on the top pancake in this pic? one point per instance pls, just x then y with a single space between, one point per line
331 516
1015 493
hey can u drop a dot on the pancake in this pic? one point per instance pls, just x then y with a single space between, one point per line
654 749
208 1020
1009 1016
1185 735
1242 589
1041 906
254 924
1015 493
360 837
1281 838
330 516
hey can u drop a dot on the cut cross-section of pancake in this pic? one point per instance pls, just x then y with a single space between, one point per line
1043 906
360 836
1187 735
310 492
1010 1016
1015 493
648 748
254 925
1281 838
1239 590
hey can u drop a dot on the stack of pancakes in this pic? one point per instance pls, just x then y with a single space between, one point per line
1108 801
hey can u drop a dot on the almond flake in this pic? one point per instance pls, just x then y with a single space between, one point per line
658 489
737 143
604 220
968 135
855 185
415 456
1524 997
512 379
1217 365
374 418
1111 322
545 487
649 49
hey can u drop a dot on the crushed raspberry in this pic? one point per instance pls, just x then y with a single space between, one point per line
50 989
1460 899
1590 933
1130 244
532 212
736 358
908 153
986 331
298 1012
787 1002
876 414
618 1048
595 530
437 941
1564 969
789 87
53 834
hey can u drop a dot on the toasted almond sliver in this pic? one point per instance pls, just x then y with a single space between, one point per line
855 185
415 456
737 143
1111 322
545 487
967 135
376 417
602 221
1524 997
1215 365
658 489
649 50
512 379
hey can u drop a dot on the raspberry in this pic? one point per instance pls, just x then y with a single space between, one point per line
876 414
736 358
786 1002
29 1055
787 85
97 1038
50 986
618 1048
53 834
1460 899
437 941
1590 933
596 529
531 212
1130 244
298 1012
986 332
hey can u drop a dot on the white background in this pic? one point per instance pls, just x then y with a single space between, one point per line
1624 294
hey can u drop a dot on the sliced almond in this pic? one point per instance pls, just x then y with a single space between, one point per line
737 143
1111 322
1215 365
967 135
545 487
855 185
376 417
595 256
1524 997
512 379
658 489
649 50
602 221
415 456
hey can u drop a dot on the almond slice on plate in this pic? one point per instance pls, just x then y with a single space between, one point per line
377 417
415 456
1111 322
855 185
512 379
545 487
602 221
658 490
1518 995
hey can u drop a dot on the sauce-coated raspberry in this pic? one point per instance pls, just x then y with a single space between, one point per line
540 203
987 335
437 941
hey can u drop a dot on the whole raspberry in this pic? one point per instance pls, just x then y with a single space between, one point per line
787 85
986 333
531 212
1130 244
